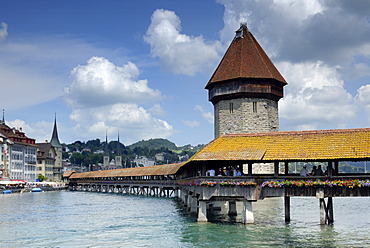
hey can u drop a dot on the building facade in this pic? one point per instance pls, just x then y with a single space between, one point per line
18 154
5 148
46 157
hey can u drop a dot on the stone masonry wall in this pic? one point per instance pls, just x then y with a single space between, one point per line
240 116
247 115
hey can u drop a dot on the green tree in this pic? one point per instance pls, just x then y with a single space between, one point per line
41 177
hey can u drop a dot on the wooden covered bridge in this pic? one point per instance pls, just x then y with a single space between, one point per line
264 159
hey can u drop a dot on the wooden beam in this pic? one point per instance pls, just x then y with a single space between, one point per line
286 164
287 208
276 169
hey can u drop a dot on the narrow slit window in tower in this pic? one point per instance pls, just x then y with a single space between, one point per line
231 107
254 107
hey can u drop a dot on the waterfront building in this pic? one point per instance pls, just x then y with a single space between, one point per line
5 147
46 157
49 157
19 155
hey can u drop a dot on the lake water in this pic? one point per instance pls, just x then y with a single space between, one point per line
88 219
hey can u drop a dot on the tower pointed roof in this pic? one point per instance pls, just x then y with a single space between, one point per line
106 152
54 138
118 146
2 122
246 59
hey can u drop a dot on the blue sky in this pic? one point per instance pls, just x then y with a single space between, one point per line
140 67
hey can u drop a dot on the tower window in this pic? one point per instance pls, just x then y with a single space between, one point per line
254 107
231 107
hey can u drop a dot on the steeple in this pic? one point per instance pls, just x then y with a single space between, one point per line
2 122
118 146
54 138
106 152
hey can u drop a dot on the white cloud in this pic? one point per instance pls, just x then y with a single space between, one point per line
157 110
191 123
315 97
363 101
303 30
133 122
363 94
41 131
100 83
3 31
206 115
179 53
104 96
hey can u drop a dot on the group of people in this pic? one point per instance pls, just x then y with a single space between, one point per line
228 171
316 171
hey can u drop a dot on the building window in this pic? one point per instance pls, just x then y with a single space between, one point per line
231 107
254 107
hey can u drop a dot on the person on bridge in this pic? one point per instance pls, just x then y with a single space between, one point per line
304 171
319 171
211 173
313 172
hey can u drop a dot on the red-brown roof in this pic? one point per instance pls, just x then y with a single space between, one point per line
245 58
157 170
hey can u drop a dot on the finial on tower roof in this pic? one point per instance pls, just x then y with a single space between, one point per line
239 32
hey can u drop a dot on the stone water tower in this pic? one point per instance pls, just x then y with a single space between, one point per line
245 88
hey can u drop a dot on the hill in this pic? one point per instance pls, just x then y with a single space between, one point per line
154 144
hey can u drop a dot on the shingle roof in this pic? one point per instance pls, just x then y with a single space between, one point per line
343 144
44 149
158 170
245 58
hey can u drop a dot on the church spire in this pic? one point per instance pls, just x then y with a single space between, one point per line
3 120
54 138
118 146
106 152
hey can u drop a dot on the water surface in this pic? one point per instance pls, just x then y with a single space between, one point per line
89 219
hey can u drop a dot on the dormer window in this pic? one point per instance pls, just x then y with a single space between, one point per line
239 33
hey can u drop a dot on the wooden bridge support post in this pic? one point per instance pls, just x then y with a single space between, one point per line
330 210
322 211
326 210
287 208
247 216
202 211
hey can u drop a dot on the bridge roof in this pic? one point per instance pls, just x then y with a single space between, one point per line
345 144
157 170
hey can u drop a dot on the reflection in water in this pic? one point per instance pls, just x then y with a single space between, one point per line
83 219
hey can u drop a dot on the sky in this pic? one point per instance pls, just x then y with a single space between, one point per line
139 68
